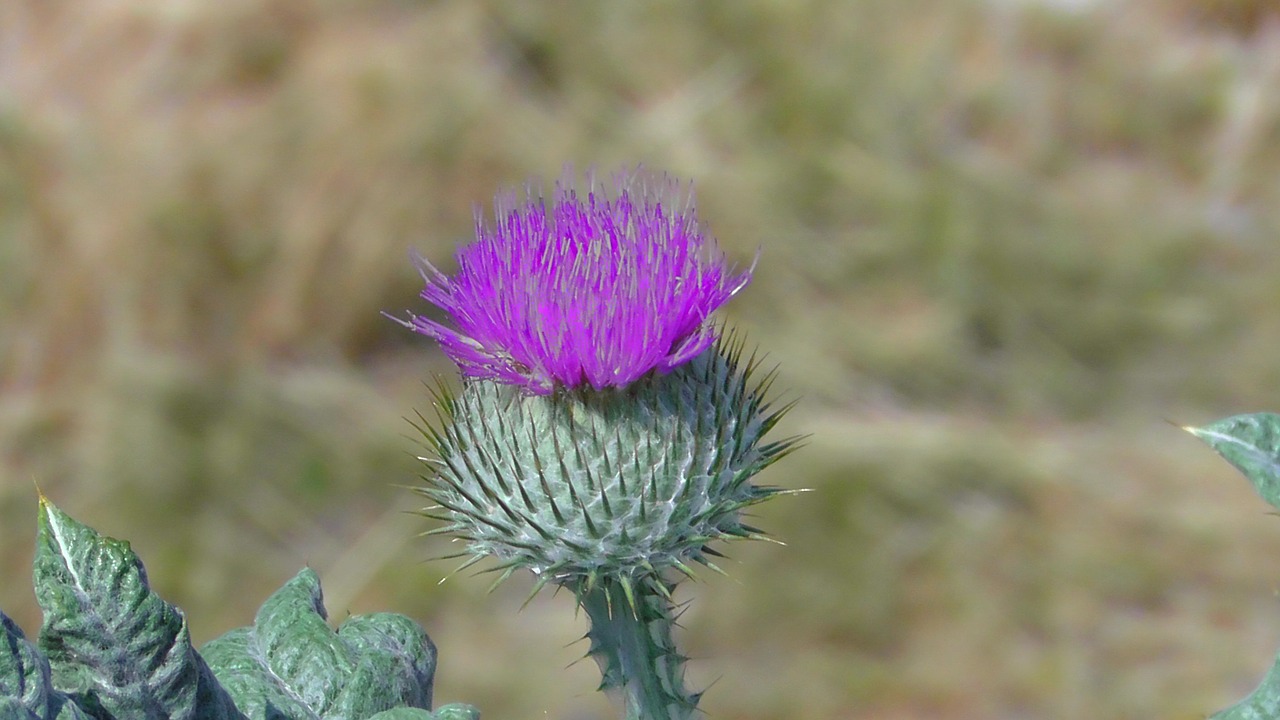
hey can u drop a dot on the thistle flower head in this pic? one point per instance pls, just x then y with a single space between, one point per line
595 290
603 430
604 438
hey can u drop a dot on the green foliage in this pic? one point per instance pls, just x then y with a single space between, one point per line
291 661
115 647
26 685
1252 444
112 649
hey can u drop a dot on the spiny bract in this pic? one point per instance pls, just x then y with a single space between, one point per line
625 483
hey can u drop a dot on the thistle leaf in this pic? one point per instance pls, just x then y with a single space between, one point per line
397 661
1252 444
291 664
10 707
115 647
26 687
455 711
1262 704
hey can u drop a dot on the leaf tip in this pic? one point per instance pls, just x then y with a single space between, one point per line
46 511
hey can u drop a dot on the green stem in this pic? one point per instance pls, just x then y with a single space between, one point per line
631 641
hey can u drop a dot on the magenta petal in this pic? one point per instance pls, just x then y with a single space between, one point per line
596 290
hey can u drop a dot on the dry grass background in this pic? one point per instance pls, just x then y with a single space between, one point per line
1001 243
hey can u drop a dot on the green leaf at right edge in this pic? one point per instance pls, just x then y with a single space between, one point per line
116 648
1252 444
1262 704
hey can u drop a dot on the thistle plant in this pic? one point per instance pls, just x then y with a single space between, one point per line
111 649
606 433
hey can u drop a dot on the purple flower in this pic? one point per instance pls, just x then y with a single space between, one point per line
592 291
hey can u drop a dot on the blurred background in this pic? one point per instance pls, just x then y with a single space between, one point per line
1004 245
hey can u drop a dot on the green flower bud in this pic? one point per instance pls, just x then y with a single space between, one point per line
625 483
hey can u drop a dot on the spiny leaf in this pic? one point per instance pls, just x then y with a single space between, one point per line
11 709
452 711
291 664
455 711
113 645
239 666
26 685
1252 444
396 661
1262 704
405 714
